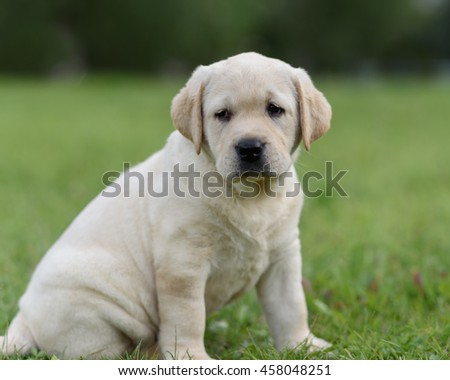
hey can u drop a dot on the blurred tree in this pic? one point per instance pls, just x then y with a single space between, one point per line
440 32
123 35
340 34
57 36
29 39
143 34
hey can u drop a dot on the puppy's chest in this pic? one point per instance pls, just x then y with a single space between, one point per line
236 265
243 242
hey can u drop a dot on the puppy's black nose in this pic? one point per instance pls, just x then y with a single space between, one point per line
250 150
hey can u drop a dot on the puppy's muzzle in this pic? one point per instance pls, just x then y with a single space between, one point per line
252 158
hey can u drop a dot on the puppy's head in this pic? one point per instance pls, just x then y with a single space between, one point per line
250 113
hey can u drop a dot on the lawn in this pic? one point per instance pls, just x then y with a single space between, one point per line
376 263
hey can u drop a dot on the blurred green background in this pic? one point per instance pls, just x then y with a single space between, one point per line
59 37
86 85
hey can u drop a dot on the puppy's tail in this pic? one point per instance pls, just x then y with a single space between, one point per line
18 339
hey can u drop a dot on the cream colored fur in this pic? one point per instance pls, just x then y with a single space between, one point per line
147 271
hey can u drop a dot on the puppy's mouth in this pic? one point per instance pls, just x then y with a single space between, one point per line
253 172
258 170
265 171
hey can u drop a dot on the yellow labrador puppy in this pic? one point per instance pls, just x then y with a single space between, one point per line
199 223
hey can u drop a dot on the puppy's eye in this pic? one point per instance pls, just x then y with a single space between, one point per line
274 110
223 115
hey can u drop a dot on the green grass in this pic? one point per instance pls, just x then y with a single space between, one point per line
377 263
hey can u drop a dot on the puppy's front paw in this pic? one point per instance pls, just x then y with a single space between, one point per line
195 355
187 355
201 357
316 344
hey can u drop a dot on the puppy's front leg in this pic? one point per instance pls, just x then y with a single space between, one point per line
281 294
181 303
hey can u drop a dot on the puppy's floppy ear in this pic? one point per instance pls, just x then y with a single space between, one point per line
315 111
186 111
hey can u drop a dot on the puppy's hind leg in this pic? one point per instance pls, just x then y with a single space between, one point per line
18 338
